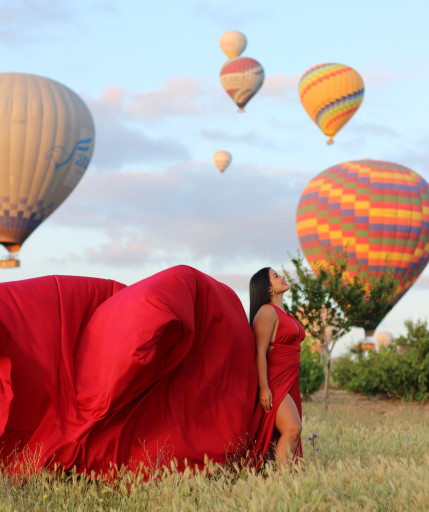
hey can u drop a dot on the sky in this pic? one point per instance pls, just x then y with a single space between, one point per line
149 73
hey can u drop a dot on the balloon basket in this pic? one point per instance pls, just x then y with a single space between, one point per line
368 344
9 262
329 142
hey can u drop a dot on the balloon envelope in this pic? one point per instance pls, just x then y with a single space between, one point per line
241 78
46 143
373 209
383 339
331 94
222 159
232 43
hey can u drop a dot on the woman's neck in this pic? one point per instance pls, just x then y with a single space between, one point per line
277 300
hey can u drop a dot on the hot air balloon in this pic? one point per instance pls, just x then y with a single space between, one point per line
46 141
221 160
373 209
241 78
233 43
383 339
331 94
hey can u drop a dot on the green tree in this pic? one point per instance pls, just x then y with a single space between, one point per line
329 304
311 371
364 298
400 370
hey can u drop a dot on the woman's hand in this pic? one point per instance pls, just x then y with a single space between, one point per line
266 399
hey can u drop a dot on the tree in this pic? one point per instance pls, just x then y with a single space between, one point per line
364 297
329 303
399 370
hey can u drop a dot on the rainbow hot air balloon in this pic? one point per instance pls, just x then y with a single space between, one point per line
222 159
46 141
233 43
375 210
241 78
331 94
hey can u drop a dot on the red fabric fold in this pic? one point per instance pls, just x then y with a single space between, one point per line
93 372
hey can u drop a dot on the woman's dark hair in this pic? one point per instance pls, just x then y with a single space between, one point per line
259 291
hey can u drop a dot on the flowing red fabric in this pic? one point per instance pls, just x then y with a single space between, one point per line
93 372
283 378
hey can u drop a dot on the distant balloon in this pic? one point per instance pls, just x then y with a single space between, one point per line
46 140
241 78
233 43
221 160
331 94
383 339
375 210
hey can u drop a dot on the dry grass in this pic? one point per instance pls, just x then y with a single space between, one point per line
373 455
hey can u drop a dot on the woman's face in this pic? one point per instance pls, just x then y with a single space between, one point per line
278 283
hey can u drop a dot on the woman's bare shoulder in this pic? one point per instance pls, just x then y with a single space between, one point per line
266 313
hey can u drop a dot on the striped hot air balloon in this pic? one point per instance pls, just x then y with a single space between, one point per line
375 210
46 143
331 94
233 43
241 78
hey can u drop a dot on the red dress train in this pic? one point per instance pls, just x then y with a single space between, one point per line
283 378
93 371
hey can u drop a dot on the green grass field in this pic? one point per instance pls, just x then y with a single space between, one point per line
373 456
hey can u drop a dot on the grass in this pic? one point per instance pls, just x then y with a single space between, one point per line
373 456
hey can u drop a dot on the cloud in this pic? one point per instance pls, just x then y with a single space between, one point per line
280 87
251 138
187 214
422 281
179 96
373 129
38 21
22 20
379 75
120 141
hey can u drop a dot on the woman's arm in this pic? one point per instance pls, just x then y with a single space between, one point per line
263 328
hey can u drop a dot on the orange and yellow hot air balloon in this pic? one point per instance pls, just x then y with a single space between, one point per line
46 142
331 94
222 159
233 43
378 211
241 78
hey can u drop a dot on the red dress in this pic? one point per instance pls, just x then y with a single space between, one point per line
283 378
94 372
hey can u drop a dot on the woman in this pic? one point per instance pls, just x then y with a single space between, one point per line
278 335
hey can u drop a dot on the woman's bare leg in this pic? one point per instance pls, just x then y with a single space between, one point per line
289 425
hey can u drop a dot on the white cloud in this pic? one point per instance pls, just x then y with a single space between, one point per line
281 87
179 96
251 138
120 141
35 20
422 281
373 129
379 75
188 214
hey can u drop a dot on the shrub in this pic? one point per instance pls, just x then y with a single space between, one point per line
400 370
311 371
